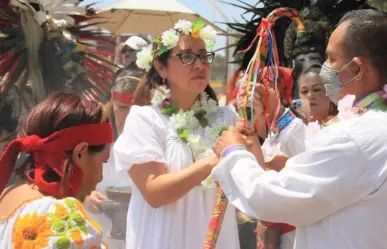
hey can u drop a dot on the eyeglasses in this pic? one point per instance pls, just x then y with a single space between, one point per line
189 58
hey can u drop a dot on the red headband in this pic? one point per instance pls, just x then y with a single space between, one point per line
124 97
50 153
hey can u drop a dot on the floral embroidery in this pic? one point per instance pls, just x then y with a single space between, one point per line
61 211
32 231
69 224
76 236
94 224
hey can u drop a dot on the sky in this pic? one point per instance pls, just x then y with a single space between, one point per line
203 8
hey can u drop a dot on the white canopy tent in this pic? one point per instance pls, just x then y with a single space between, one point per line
146 16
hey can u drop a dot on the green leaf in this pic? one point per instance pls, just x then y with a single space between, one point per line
162 49
174 107
224 128
63 242
157 41
83 229
59 226
166 111
203 122
78 218
183 134
198 24
70 204
200 114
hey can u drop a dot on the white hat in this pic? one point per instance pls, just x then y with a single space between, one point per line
136 42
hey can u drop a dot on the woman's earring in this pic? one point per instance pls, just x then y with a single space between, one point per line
164 81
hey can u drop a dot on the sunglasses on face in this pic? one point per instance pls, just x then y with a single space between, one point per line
189 58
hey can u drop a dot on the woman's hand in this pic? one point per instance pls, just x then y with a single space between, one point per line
230 137
94 201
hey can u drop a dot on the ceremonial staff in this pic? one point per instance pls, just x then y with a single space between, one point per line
266 55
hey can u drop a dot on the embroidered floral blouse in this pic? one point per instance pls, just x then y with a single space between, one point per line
48 223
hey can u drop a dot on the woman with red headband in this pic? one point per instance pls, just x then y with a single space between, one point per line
68 140
101 208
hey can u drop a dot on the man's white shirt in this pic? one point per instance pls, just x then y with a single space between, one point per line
334 193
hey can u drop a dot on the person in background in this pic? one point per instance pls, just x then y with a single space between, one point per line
334 192
130 48
68 139
311 88
122 95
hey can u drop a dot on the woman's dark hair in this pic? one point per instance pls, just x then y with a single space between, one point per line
57 112
153 79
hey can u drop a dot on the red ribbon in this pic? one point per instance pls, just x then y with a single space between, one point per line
123 97
51 153
264 26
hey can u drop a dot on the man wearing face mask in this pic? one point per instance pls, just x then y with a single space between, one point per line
334 193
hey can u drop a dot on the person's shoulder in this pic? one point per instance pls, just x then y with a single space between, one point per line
147 113
367 132
143 110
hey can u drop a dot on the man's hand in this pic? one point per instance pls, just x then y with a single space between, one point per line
228 138
277 163
94 201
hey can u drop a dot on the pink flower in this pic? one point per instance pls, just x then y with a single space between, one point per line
385 92
345 107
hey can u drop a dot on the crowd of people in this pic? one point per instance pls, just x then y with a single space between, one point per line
163 142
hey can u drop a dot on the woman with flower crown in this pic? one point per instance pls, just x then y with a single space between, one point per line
166 148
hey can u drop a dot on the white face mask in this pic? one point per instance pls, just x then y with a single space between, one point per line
332 83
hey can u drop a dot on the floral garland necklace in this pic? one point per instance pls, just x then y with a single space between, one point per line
193 126
348 109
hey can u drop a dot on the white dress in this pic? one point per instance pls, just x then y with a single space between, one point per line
182 224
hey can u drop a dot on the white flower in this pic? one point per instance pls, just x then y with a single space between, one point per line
145 58
169 39
196 107
385 91
210 44
208 33
177 121
160 94
212 132
191 120
195 141
210 106
208 183
184 26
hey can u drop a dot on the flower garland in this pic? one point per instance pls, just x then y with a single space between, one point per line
348 109
170 38
193 126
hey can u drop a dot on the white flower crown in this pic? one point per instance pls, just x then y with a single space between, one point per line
170 38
